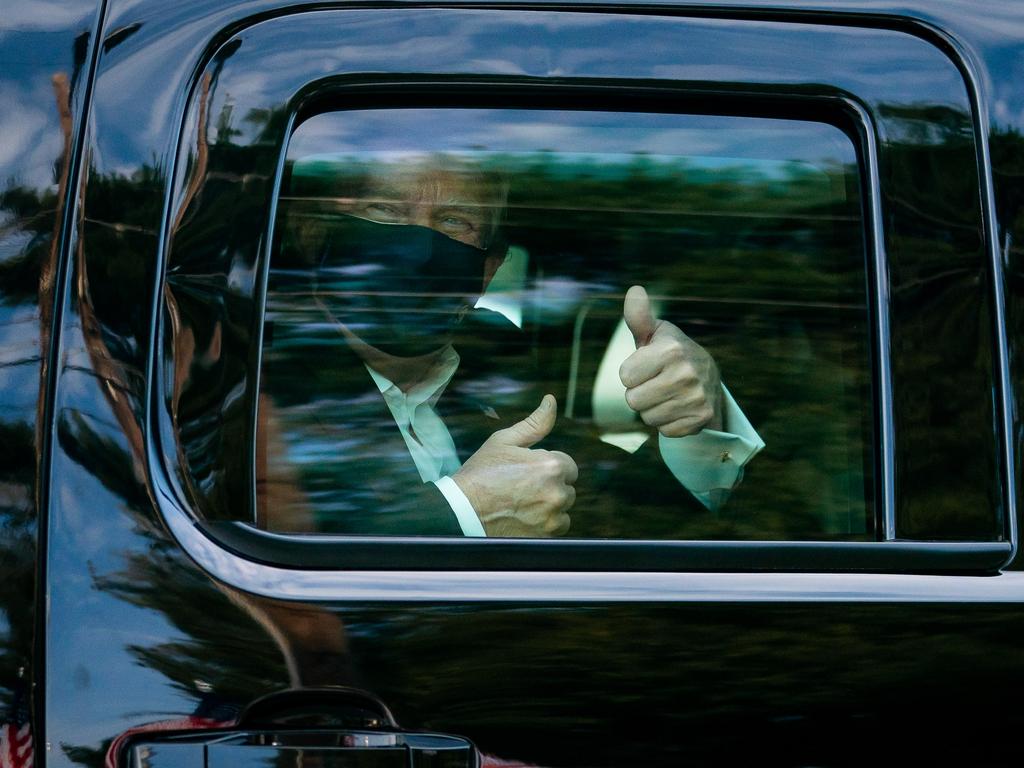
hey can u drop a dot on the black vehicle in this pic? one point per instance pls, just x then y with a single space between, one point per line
240 527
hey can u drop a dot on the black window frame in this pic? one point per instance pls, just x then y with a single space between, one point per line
422 553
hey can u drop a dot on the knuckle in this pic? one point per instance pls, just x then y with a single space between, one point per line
675 349
693 406
558 524
550 466
685 372
631 398
550 524
552 499
566 464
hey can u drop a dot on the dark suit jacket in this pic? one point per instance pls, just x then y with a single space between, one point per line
357 477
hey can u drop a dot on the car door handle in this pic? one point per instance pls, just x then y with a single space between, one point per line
306 728
306 749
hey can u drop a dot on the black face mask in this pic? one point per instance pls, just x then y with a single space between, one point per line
400 288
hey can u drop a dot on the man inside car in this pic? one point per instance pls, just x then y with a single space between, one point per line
398 275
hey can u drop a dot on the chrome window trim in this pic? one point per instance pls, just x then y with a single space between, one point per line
582 586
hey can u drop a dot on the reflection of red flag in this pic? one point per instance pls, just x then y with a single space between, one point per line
16 734
15 745
190 723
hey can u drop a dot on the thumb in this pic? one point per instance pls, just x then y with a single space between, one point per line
533 428
636 309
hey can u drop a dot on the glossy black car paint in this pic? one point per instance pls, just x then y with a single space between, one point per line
552 667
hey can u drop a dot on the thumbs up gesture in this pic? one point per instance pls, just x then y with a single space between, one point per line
671 381
518 490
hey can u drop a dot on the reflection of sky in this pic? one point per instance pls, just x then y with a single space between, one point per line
269 68
604 135
19 362
30 136
95 630
136 131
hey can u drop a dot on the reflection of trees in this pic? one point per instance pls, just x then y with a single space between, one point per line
946 474
576 671
31 217
603 685
219 644
762 263
17 552
224 647
768 273
26 289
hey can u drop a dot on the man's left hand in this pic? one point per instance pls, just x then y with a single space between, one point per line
671 381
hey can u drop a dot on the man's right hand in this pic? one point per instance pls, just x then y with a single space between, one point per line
517 490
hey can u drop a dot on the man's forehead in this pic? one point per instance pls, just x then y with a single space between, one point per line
436 180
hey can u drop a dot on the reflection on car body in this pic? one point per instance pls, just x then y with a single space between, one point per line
230 533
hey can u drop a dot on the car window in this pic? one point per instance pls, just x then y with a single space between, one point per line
534 323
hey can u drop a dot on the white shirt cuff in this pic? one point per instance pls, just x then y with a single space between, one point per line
461 506
710 463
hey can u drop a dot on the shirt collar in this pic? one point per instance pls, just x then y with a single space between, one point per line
429 389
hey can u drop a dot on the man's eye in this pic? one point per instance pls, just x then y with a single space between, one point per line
456 225
384 213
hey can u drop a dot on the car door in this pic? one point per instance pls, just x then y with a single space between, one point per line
803 196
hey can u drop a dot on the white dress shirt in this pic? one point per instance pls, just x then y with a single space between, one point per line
708 464
429 442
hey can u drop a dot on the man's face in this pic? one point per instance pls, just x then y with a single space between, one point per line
447 197
413 254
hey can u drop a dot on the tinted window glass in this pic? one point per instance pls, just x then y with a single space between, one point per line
437 273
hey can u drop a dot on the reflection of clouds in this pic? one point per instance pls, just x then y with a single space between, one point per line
385 45
97 628
45 15
319 135
31 136
859 60
921 130
1004 113
375 134
269 67
252 83
19 358
139 114
496 66
496 25
91 540
12 243
525 136
688 141
999 21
